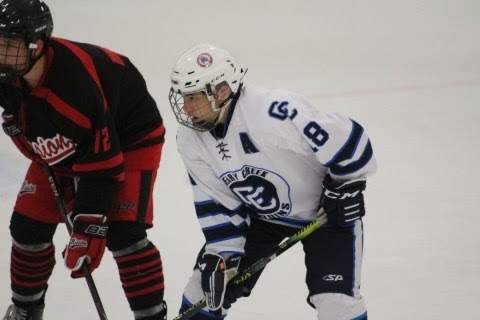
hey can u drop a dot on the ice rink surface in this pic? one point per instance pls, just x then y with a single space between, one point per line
408 71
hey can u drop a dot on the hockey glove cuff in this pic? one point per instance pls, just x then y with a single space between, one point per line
343 201
9 125
216 272
87 243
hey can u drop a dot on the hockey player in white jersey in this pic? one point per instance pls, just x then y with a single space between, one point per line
262 164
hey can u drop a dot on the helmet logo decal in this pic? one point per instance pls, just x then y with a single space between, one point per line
204 60
41 28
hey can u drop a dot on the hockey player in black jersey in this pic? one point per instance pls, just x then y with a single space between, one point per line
86 112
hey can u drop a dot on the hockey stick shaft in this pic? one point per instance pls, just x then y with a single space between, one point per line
64 212
260 264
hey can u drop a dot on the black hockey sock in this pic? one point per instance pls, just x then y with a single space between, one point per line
141 274
30 270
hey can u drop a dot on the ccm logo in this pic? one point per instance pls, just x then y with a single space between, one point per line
98 231
341 196
333 277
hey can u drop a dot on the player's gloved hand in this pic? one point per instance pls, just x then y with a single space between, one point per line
233 292
9 125
216 272
87 243
343 201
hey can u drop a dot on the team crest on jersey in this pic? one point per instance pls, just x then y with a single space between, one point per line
204 60
53 150
27 188
263 191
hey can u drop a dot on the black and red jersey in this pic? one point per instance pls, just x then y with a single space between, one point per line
90 116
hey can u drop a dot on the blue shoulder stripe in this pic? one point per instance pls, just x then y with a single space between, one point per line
348 149
354 166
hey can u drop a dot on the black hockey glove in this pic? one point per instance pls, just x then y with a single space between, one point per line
343 202
233 292
216 272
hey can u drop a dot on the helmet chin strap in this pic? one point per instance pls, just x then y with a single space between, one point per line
221 108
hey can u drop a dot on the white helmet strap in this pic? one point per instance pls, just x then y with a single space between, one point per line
230 101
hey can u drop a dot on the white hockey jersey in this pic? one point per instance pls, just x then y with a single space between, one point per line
269 161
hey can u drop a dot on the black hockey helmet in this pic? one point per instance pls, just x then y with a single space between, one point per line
29 20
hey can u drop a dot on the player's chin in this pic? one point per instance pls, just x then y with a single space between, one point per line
203 124
198 120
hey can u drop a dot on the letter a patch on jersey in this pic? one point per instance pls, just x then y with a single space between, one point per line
247 144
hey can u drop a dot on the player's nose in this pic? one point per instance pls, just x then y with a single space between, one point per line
189 107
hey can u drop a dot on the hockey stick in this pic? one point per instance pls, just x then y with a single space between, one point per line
261 263
64 212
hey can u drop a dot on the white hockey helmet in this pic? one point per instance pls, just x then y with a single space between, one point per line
203 68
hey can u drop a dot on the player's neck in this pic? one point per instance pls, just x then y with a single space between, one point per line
223 114
34 75
230 103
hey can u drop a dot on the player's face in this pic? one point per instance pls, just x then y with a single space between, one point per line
197 106
13 53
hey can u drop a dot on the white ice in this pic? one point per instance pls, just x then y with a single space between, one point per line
409 71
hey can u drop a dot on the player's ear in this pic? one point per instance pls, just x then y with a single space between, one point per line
38 51
224 91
